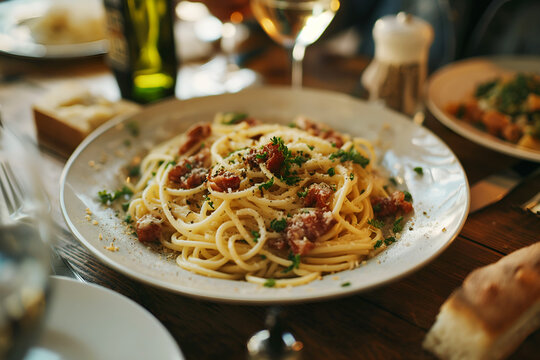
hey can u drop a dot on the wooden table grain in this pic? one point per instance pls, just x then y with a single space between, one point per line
386 323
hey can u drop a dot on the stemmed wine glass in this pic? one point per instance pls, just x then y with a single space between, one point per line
222 74
295 24
25 234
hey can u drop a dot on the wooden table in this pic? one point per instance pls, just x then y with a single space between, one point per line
387 323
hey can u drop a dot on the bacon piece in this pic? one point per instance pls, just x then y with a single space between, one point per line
277 243
303 229
275 158
321 130
252 159
512 132
318 195
190 172
148 229
384 206
224 181
195 134
495 121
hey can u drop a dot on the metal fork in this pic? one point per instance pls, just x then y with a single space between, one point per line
11 194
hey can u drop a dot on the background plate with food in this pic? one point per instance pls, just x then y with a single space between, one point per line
491 101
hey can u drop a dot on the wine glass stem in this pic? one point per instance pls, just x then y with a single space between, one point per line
228 43
297 55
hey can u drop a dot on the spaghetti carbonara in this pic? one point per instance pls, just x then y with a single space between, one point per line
272 204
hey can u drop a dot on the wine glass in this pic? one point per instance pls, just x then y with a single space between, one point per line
222 74
295 24
25 232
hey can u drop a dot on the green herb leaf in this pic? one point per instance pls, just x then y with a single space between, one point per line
270 283
210 202
419 170
295 262
379 224
350 155
408 196
389 240
398 225
267 185
125 206
378 244
278 225
303 193
331 172
128 219
134 170
345 284
133 128
256 235
231 118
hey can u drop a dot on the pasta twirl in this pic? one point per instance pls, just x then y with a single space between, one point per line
271 204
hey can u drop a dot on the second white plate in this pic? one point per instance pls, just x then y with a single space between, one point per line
90 322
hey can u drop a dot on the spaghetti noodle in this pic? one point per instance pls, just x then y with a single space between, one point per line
274 205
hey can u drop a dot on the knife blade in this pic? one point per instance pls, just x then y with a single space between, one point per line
495 187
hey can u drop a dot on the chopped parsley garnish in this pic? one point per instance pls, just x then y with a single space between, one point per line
278 225
125 206
262 156
295 262
351 176
303 193
379 224
408 196
210 202
311 147
350 155
189 166
133 128
160 162
377 207
134 170
378 244
389 240
267 185
299 160
256 235
106 197
263 256
393 181
345 284
232 118
172 162
128 219
419 170
127 142
292 125
398 225
331 172
270 283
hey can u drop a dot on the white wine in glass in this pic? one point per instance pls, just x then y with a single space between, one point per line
295 24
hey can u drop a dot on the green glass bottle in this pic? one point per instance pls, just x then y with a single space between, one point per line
142 51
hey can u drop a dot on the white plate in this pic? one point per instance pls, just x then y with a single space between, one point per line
16 38
90 322
458 80
441 196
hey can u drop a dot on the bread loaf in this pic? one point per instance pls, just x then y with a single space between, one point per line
67 114
496 308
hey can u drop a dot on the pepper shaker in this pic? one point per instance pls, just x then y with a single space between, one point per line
397 74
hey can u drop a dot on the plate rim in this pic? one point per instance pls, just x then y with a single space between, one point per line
205 295
483 139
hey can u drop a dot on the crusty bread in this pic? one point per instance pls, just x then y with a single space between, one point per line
67 114
497 307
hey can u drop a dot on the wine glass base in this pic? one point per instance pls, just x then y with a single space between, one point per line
213 78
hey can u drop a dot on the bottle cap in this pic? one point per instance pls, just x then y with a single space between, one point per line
402 38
